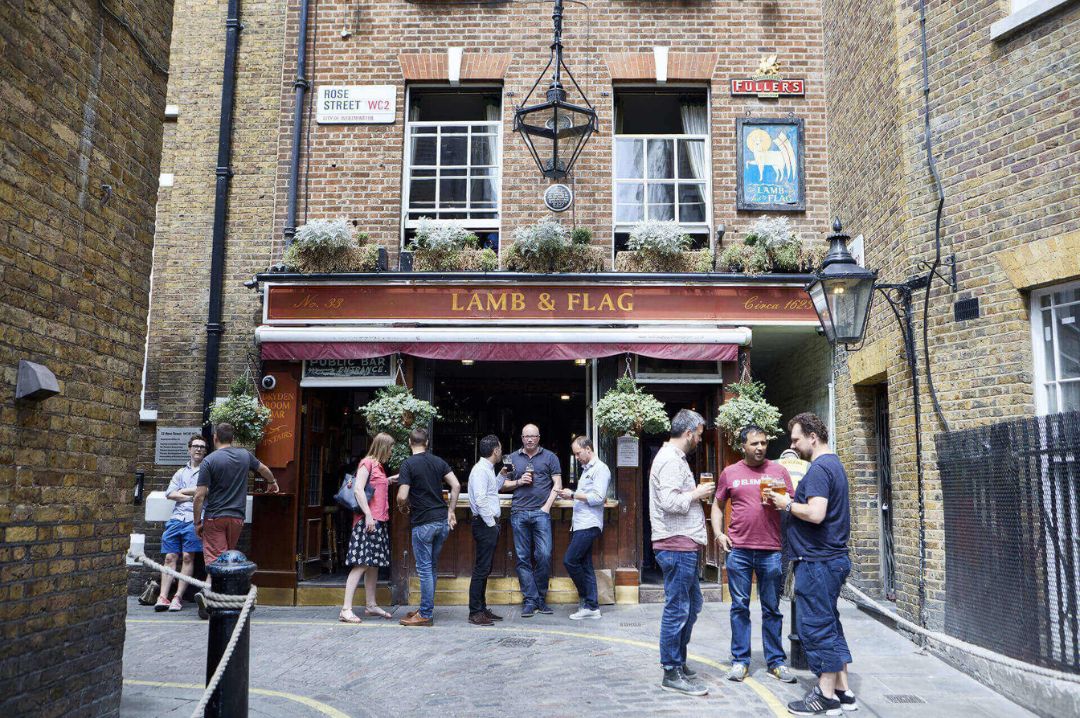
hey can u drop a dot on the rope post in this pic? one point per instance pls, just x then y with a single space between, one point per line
230 574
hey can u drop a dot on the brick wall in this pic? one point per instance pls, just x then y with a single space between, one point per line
1004 129
81 108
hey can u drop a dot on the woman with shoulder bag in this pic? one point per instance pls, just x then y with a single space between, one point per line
369 545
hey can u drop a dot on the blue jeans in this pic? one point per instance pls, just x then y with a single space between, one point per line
427 541
742 564
817 588
578 563
682 604
532 544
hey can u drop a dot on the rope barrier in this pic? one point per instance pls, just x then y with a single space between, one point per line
211 600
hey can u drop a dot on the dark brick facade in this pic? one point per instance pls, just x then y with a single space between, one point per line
80 108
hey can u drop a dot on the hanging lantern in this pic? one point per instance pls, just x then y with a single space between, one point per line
556 130
842 292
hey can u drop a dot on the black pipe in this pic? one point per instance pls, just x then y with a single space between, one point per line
300 87
214 328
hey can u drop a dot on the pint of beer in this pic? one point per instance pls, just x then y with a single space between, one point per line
771 484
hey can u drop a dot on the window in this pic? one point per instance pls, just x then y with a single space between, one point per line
1055 319
453 156
661 163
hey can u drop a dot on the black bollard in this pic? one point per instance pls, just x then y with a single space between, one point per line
230 574
798 655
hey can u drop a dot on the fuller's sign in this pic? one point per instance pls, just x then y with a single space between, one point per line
768 88
535 303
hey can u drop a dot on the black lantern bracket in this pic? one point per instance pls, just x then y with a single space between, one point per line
555 130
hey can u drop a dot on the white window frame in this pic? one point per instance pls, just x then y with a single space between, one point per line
1042 390
493 224
692 227
1024 13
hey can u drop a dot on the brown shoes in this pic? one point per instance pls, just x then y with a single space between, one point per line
492 616
480 618
413 618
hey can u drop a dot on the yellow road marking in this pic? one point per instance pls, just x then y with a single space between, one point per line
303 700
775 704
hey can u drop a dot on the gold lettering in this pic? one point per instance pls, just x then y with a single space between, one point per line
305 302
517 302
757 305
454 307
628 306
606 303
474 303
545 304
496 302
587 305
572 300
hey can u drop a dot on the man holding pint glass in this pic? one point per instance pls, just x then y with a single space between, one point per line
752 543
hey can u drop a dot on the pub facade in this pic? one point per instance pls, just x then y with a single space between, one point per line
711 115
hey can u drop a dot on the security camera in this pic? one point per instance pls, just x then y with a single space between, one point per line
268 382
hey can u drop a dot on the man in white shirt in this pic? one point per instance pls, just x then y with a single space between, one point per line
484 485
587 524
179 537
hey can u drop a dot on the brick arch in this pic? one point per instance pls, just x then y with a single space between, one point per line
417 66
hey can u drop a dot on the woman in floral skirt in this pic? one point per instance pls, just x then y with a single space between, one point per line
369 545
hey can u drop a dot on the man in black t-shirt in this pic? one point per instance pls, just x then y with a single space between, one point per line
420 484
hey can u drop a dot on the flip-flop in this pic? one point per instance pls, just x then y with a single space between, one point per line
348 617
376 612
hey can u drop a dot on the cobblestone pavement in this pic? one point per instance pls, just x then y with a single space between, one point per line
305 663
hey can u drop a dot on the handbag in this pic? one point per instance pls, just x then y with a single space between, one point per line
150 592
346 497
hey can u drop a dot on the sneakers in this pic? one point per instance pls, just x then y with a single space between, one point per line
688 671
176 605
528 611
415 619
492 616
737 673
545 609
677 682
782 673
815 704
847 700
583 613
479 618
162 604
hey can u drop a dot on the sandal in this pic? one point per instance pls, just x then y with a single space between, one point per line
347 616
376 611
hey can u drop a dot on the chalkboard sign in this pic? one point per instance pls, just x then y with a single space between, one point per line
373 371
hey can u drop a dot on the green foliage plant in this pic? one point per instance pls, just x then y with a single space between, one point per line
626 409
396 411
330 245
581 236
244 411
748 406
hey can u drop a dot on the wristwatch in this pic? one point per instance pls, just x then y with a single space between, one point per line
787 509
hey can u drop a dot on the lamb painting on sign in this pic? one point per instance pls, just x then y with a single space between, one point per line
770 164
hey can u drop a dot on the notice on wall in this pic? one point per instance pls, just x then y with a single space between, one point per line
171 446
628 454
373 371
356 105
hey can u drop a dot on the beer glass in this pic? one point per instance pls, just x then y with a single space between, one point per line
706 477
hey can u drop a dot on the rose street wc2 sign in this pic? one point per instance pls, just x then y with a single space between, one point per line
356 104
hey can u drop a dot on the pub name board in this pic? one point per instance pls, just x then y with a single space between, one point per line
535 304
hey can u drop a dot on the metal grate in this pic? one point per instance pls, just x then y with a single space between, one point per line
1011 495
515 642
631 625
965 309
903 698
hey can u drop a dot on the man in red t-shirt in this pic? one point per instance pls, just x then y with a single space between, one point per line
753 545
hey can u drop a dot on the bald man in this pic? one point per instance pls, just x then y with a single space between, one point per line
537 474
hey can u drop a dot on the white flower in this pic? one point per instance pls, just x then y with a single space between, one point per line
545 236
325 234
441 235
659 237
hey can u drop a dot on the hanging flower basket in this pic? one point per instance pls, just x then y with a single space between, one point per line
244 411
627 410
748 406
396 411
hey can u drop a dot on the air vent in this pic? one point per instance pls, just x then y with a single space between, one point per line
904 698
966 309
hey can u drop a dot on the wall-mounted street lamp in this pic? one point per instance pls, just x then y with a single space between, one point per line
555 130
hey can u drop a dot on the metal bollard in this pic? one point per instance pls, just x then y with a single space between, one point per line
798 655
230 574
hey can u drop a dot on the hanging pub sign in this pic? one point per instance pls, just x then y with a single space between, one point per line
767 83
356 105
374 371
769 165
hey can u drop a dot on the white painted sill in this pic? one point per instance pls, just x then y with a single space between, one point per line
1004 28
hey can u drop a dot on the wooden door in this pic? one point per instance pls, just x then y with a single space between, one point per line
310 530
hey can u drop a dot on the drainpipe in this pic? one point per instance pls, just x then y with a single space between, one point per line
214 327
300 87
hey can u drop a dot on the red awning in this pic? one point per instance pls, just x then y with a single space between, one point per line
489 351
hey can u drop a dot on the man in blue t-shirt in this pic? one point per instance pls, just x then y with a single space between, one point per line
817 536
